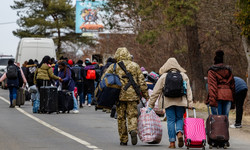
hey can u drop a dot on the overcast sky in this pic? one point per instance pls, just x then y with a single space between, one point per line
8 42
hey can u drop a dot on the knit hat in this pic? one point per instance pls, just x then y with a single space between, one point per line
143 69
218 59
70 62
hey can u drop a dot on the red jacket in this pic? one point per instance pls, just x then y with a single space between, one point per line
220 84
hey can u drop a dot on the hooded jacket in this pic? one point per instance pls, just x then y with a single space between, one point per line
45 72
122 54
221 84
186 100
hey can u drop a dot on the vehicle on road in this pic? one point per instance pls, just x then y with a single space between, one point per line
91 26
34 48
3 67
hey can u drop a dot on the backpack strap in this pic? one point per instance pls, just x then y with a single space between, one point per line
114 68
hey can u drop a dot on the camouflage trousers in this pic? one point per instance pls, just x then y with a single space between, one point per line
126 115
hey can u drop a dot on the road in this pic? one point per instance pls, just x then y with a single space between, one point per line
20 129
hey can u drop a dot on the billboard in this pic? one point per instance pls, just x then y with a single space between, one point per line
89 16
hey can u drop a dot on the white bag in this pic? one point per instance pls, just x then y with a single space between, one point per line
149 127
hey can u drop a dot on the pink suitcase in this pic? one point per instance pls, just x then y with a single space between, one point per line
194 132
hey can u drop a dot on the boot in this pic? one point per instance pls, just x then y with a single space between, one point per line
172 145
180 139
133 137
123 144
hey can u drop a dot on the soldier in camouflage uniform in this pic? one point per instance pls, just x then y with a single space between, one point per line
127 106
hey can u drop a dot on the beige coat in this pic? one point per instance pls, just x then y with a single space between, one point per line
186 100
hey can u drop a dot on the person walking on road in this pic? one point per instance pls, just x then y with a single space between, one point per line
221 87
174 106
79 72
14 77
240 95
127 105
67 82
89 84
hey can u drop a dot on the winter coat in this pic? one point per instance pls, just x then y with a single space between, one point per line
221 84
31 69
240 84
186 100
68 82
122 54
45 72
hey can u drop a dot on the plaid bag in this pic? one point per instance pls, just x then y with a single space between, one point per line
158 108
149 127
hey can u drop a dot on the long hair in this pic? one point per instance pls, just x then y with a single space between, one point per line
46 60
65 67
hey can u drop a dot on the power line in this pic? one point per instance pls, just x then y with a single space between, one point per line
4 23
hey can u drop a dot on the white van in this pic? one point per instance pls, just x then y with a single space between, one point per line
34 48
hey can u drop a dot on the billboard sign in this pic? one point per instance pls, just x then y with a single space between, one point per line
89 16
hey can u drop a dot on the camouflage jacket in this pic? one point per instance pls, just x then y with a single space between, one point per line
122 54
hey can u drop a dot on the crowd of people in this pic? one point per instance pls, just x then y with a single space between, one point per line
224 90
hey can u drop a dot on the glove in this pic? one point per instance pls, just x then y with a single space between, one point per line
148 110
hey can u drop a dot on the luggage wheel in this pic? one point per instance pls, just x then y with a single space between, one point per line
68 112
210 147
218 147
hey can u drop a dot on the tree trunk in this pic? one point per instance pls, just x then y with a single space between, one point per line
246 45
197 74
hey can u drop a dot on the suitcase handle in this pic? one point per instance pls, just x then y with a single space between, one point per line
193 108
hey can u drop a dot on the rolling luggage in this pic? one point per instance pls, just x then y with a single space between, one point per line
217 130
194 132
20 100
48 99
65 101
149 127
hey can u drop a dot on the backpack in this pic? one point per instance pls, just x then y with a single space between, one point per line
174 85
77 72
12 72
90 72
91 75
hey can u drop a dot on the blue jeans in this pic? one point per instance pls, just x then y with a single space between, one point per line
174 119
89 96
223 108
75 101
79 86
13 93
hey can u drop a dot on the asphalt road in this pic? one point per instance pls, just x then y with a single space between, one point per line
20 129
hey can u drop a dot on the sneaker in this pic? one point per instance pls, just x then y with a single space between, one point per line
89 105
14 103
234 126
133 137
75 111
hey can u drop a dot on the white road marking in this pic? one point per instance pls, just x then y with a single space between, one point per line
85 143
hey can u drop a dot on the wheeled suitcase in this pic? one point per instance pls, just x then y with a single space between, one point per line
20 100
48 99
65 101
194 132
217 130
